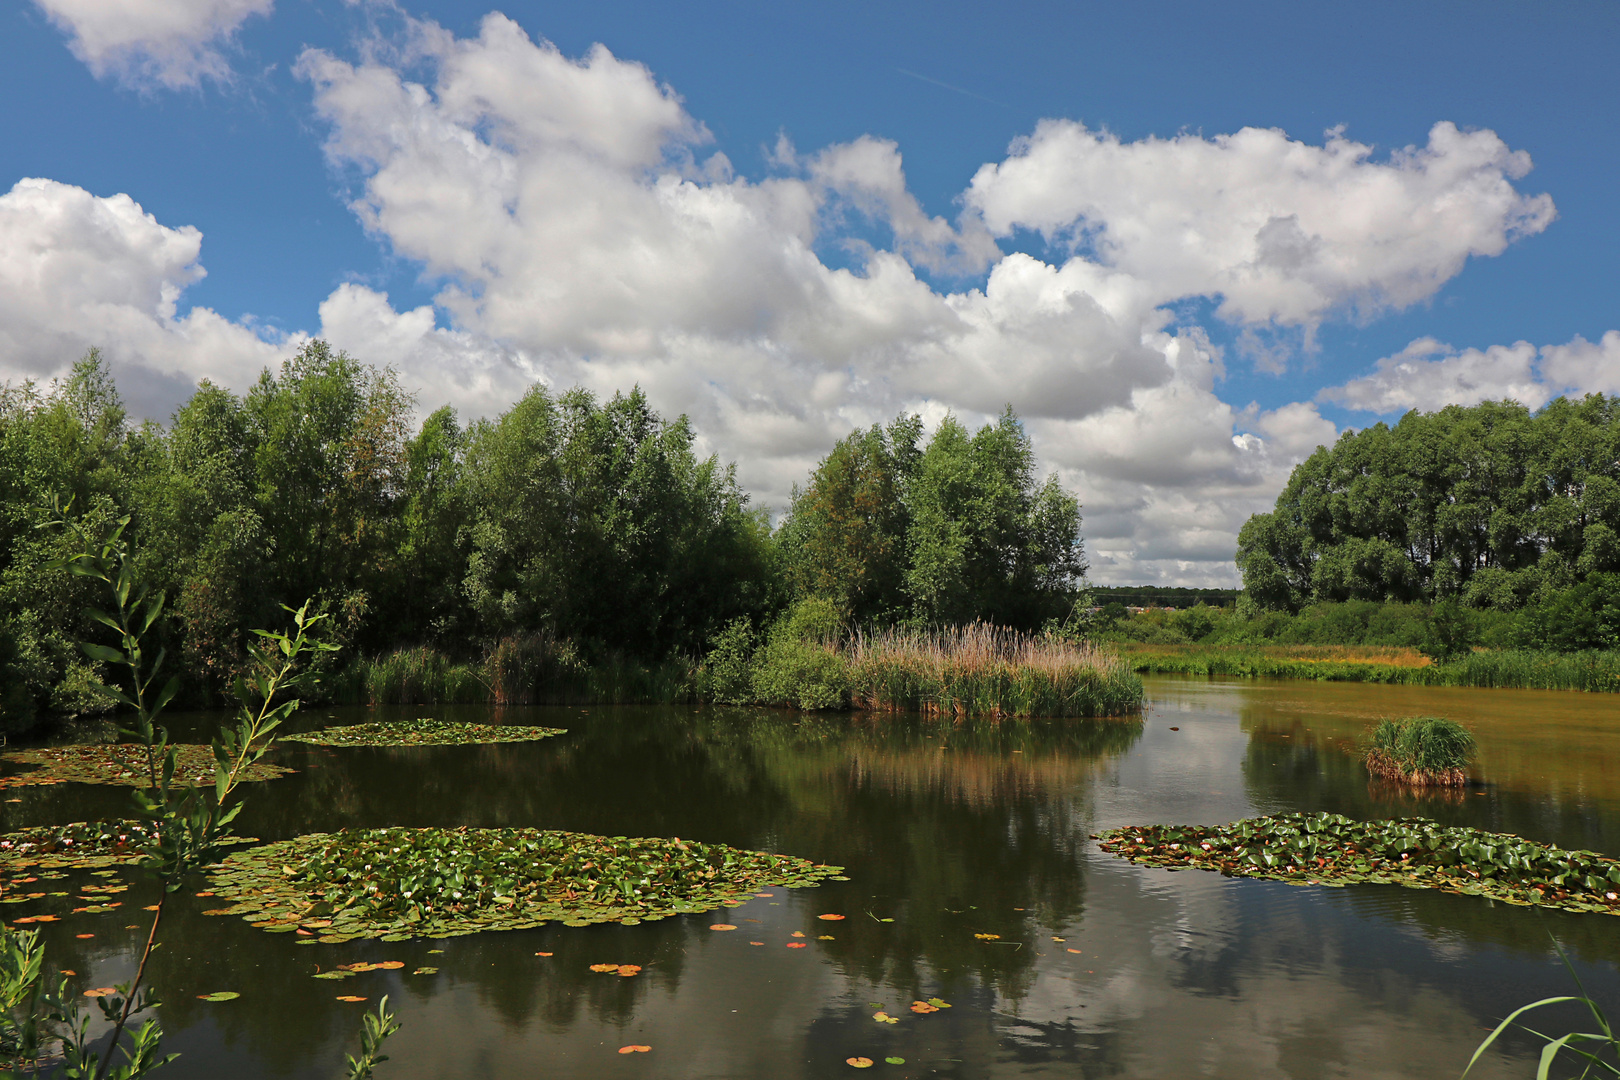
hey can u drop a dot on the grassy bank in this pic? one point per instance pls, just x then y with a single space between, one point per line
1592 670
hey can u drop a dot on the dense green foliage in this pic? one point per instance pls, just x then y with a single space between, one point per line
1421 750
1330 849
1493 506
569 549
945 534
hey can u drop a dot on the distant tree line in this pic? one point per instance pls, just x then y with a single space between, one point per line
1492 507
1162 596
588 521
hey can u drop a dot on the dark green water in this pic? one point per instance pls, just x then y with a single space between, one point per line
950 830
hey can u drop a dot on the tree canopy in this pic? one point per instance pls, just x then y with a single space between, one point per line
587 521
1493 505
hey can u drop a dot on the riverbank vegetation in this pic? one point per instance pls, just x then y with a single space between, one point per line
1423 751
1330 849
569 549
977 670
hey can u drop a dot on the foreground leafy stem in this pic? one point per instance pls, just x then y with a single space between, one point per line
190 820
1330 849
399 883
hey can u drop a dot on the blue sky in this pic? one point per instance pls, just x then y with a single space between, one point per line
837 303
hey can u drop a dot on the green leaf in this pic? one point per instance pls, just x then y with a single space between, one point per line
219 995
104 653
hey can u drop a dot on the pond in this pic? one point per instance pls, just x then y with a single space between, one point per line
974 881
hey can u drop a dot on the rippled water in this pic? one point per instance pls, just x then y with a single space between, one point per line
950 830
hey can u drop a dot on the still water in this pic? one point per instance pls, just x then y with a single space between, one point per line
950 830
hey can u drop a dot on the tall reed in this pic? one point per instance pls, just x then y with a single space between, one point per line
984 670
1424 751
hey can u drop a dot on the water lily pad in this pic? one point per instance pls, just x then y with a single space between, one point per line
395 884
77 845
121 763
423 733
1333 850
219 995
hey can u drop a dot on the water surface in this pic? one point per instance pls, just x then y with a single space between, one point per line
949 830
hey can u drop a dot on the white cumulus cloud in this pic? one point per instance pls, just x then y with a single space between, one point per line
1430 374
580 230
168 43
1280 230
79 271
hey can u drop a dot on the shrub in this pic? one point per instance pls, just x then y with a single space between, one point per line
1423 751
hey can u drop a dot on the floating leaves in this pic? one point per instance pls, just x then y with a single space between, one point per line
74 846
635 1048
830 918
626 970
885 1018
350 997
858 1062
1331 849
121 763
423 732
895 1060
219 995
426 971
723 926
988 937
401 883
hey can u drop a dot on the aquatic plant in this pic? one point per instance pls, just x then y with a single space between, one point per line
400 883
124 764
422 732
1575 1043
1330 849
985 670
975 670
80 845
1424 751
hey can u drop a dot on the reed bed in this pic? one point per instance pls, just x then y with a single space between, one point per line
984 670
1596 671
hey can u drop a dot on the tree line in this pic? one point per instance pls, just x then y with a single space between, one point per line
1493 507
589 521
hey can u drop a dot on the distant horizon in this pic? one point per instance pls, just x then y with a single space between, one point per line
1187 246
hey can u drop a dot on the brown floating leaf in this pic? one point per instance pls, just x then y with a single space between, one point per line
858 1062
722 926
604 967
797 933
635 1048
797 945
101 991
350 997
389 965
542 954
829 918
81 937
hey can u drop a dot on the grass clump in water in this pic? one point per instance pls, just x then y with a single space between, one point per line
1424 751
